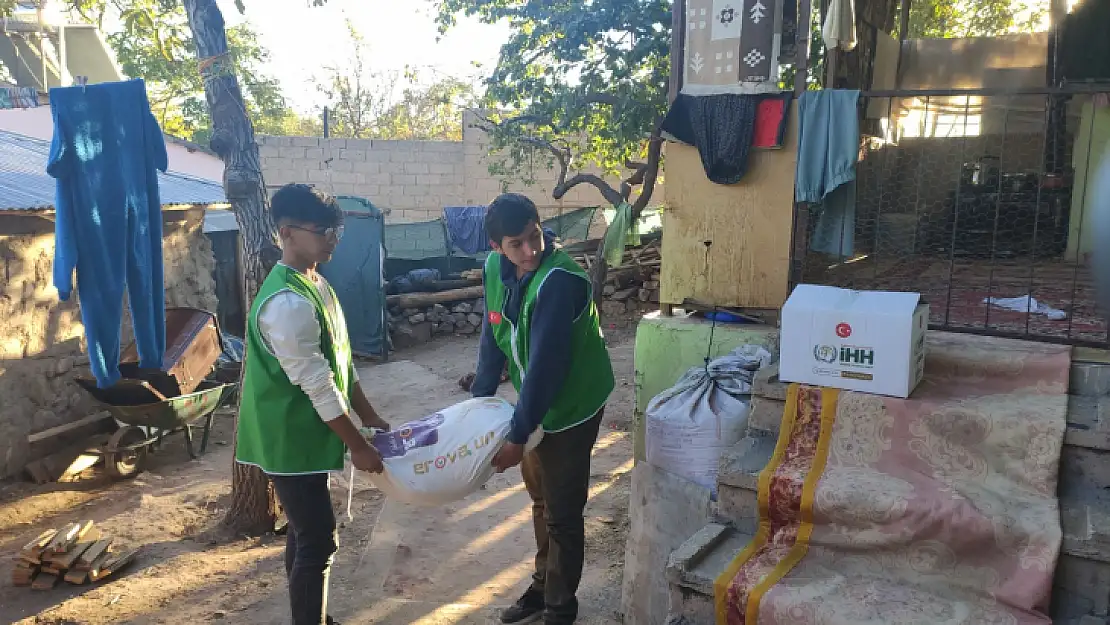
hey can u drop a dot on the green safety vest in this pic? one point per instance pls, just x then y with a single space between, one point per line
590 379
279 429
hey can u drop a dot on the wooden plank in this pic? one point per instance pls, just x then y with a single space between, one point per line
44 581
60 538
24 576
748 227
66 561
101 547
67 540
98 563
77 578
53 467
32 551
113 566
67 427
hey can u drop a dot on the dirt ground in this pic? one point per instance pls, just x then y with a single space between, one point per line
397 564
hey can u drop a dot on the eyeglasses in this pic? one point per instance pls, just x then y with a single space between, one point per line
327 233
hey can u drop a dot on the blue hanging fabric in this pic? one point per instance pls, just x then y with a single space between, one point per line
466 228
106 149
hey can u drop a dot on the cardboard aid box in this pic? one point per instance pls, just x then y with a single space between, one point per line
868 341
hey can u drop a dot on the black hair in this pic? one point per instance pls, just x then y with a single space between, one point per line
508 215
306 204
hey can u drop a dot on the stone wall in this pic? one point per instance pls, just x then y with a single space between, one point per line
42 339
414 180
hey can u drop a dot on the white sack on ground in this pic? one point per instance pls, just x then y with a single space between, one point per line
703 414
445 456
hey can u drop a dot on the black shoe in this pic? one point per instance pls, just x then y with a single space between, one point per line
527 609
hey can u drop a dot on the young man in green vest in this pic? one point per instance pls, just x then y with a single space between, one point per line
540 317
299 392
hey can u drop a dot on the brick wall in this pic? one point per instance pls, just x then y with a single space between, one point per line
413 180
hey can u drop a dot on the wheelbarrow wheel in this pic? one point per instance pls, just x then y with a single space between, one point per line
125 463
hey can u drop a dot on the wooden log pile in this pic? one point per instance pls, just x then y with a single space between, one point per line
634 282
417 318
78 553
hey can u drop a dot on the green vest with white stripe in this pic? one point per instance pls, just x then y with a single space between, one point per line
279 429
590 379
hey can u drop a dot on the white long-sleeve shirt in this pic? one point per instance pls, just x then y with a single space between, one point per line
289 328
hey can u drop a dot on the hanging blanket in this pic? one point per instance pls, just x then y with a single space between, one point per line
936 509
466 228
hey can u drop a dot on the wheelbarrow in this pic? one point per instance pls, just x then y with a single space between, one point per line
146 417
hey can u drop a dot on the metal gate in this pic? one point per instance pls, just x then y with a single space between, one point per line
978 200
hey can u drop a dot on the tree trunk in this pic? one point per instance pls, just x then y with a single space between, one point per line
253 504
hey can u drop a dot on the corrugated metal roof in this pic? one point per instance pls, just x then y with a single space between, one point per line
220 220
25 185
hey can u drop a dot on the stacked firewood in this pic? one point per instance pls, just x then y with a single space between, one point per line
79 553
636 279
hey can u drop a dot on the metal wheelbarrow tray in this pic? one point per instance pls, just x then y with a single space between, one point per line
146 417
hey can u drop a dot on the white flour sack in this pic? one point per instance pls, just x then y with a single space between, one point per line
445 456
691 424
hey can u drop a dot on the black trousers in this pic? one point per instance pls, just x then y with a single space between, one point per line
312 541
557 477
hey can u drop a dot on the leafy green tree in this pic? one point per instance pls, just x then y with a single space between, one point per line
598 74
427 112
584 84
974 18
154 42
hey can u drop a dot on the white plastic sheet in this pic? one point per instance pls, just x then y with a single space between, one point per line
703 414
445 456
1025 303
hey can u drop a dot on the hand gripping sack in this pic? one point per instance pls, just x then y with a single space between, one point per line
445 456
692 423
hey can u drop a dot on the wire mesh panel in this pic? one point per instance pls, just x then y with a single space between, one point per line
978 201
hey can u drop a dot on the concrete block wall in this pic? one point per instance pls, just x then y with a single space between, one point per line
414 180
42 342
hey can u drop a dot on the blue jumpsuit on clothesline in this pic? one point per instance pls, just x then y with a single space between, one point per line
106 149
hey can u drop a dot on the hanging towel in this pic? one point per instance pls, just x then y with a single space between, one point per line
725 127
106 148
770 119
466 228
828 145
839 30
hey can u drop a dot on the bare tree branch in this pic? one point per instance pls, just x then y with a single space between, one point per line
645 176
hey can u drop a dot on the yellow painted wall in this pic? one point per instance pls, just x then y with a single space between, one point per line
748 224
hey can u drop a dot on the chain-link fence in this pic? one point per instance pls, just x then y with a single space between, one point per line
976 199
